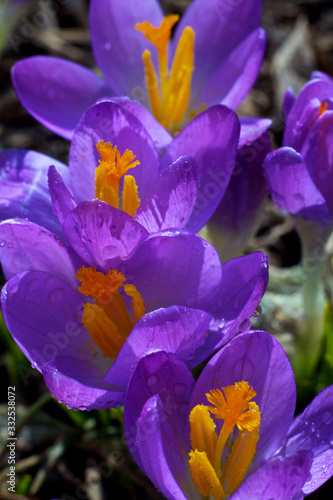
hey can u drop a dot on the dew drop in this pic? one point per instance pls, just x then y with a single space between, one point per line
257 312
221 324
318 434
151 380
2 244
312 427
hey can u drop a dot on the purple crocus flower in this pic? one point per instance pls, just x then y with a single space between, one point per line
232 433
299 175
98 298
57 92
168 191
300 179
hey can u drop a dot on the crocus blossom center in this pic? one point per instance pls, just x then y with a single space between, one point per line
111 169
108 320
169 94
216 471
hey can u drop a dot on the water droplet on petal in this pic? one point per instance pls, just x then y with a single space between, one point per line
257 312
2 244
312 427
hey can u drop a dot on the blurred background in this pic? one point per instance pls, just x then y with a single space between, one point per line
79 455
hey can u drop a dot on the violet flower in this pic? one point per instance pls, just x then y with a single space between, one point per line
298 174
57 92
99 297
161 192
300 179
232 433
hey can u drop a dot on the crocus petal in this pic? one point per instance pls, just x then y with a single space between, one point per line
19 241
305 112
312 430
79 385
111 122
171 201
257 358
234 78
158 133
118 46
42 312
219 27
56 91
279 478
252 129
174 267
244 281
317 152
178 330
166 375
24 188
322 76
211 139
102 235
159 453
63 201
292 188
289 99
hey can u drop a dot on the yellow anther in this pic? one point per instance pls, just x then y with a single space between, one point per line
179 85
323 108
203 435
204 476
239 460
103 332
108 321
232 405
111 169
131 200
170 93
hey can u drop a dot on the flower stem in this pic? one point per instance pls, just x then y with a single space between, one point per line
310 332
